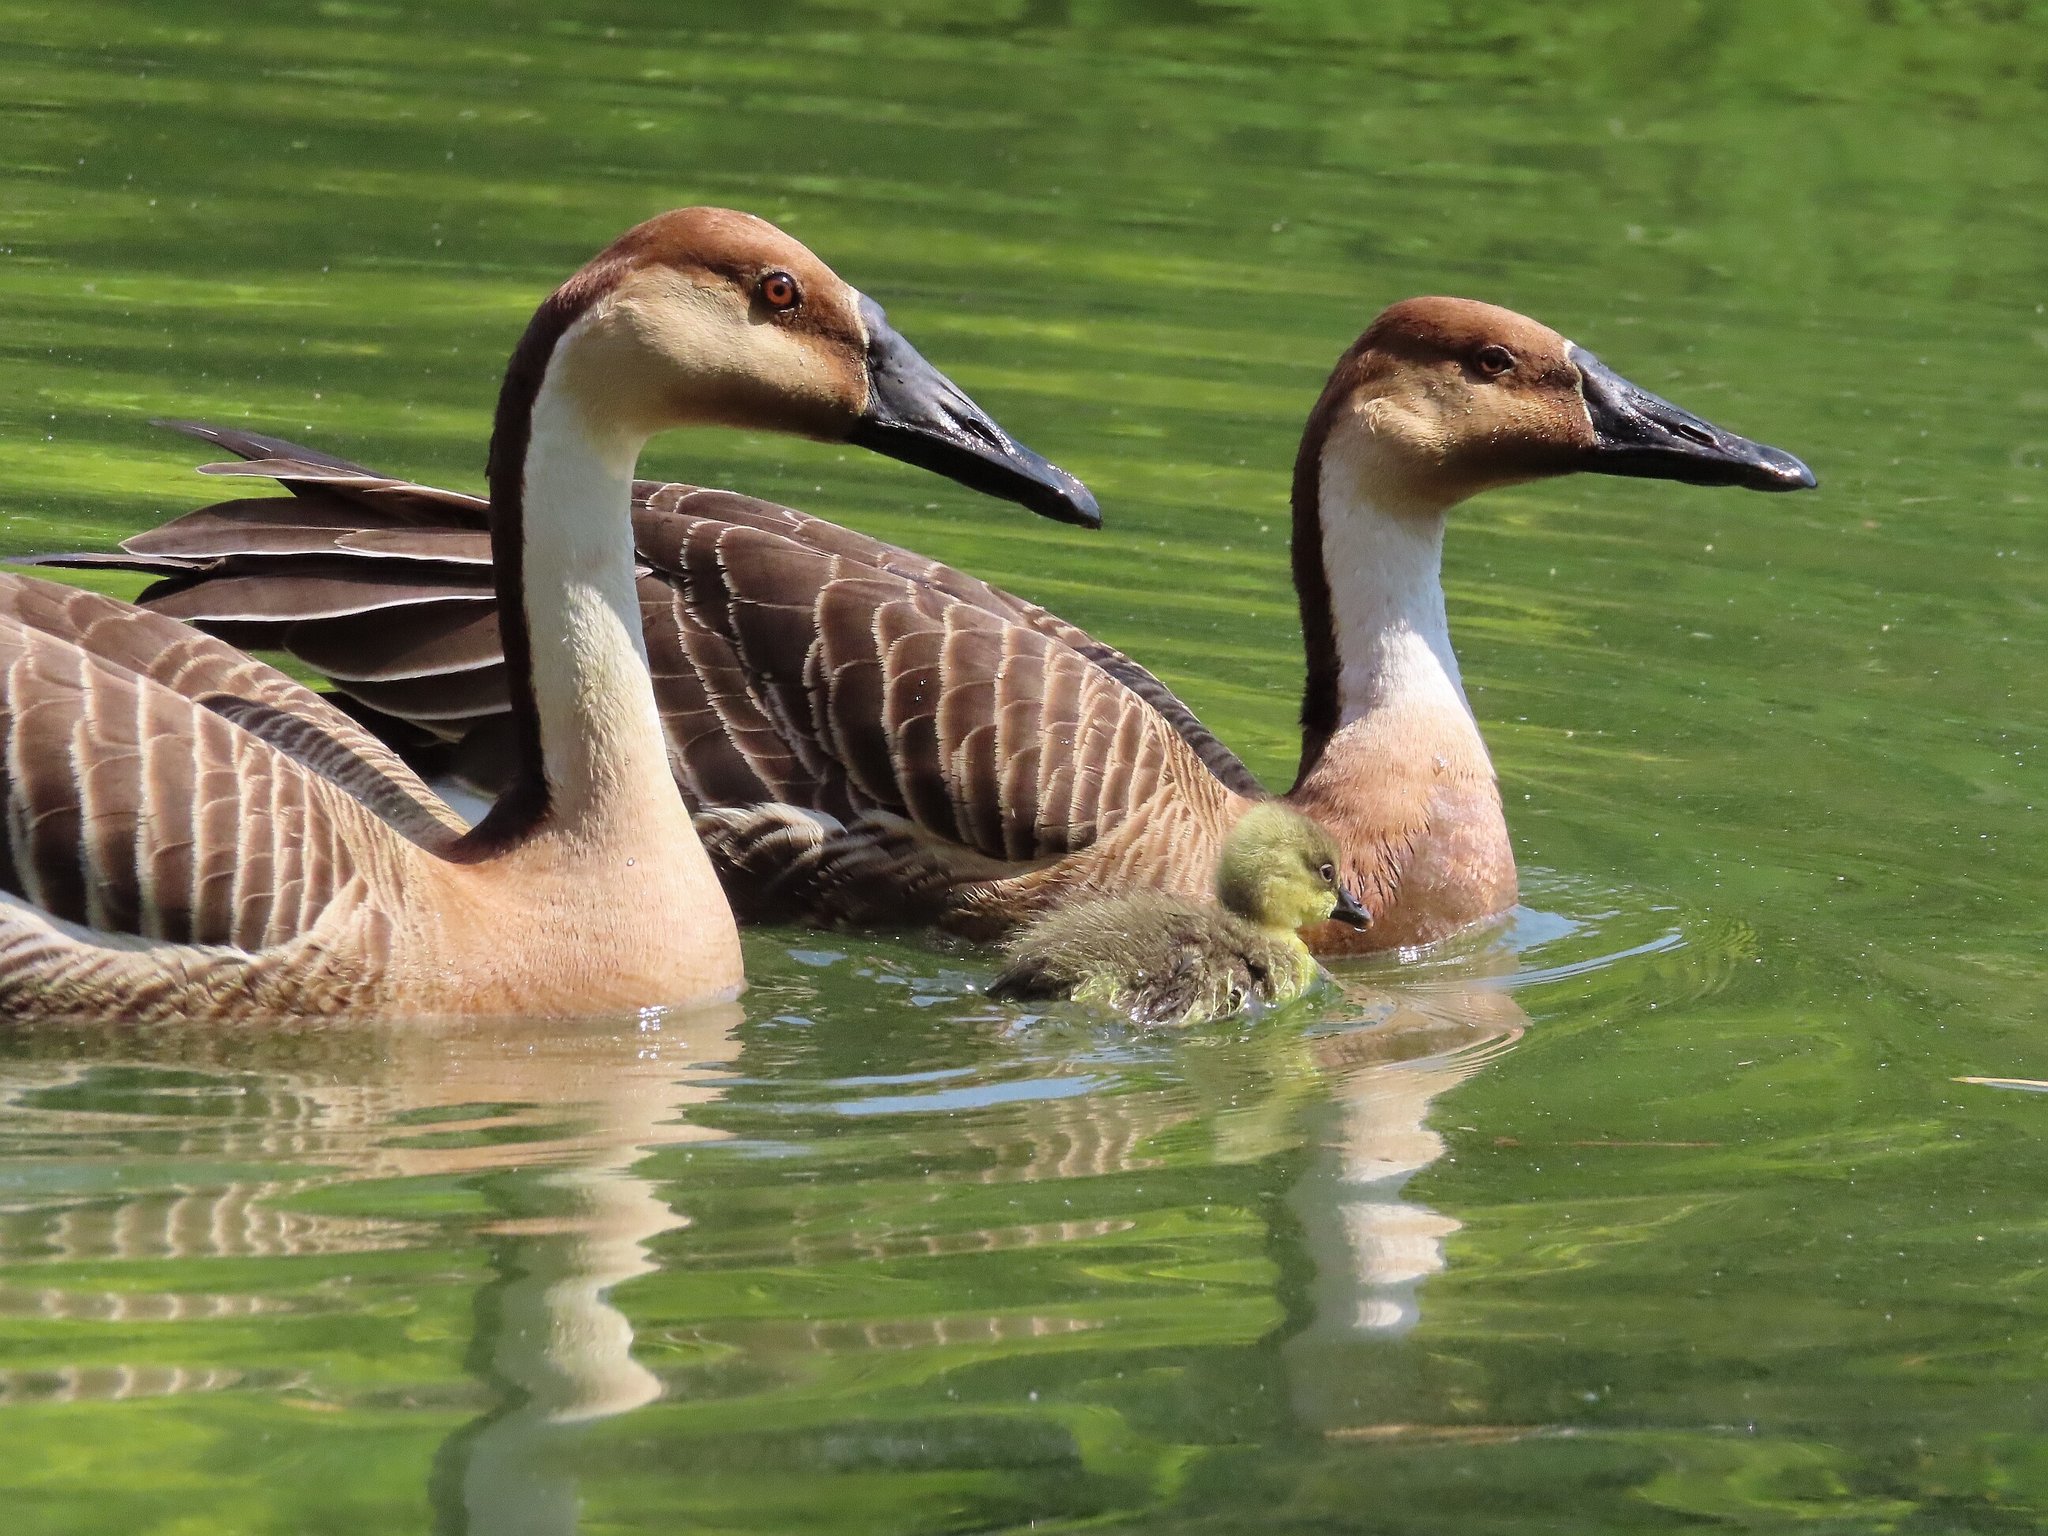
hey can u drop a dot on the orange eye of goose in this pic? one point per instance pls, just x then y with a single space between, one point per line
1493 361
780 292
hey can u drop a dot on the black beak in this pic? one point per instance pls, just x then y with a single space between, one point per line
916 414
1349 912
1637 433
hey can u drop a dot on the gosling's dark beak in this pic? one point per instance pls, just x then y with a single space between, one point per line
916 414
1637 433
1349 912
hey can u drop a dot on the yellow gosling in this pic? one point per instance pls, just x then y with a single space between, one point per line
1162 959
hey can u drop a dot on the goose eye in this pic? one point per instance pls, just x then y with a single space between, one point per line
780 292
1493 360
1328 872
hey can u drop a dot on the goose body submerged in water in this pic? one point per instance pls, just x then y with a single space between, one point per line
190 833
1164 959
871 736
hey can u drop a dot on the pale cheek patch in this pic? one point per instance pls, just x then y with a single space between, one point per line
713 361
1379 448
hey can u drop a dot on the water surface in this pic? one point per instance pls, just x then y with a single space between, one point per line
1663 1206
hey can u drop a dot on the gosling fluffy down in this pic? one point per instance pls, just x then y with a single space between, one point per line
1162 959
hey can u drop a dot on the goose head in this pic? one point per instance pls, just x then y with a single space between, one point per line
1281 870
706 316
1443 398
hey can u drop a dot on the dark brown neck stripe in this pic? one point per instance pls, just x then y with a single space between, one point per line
525 801
1319 693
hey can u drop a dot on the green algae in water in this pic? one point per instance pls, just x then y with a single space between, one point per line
1661 1207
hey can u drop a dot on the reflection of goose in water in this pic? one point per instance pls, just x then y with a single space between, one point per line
1383 1097
209 1212
1085 1137
1371 1249
378 1104
557 1352
1038 1140
1455 1012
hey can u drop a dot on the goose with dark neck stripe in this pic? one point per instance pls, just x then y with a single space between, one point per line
1440 400
191 834
919 746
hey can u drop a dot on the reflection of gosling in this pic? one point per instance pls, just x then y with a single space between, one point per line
1164 960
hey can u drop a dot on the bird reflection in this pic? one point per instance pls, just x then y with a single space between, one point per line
556 1351
552 1118
1371 1247
552 1126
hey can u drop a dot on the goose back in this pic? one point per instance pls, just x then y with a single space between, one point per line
955 751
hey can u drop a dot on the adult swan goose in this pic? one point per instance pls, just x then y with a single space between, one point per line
875 737
189 833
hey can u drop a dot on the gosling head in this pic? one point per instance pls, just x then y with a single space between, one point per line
1443 398
1279 870
708 316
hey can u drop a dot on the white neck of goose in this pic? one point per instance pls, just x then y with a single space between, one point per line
601 743
1381 549
1386 600
601 732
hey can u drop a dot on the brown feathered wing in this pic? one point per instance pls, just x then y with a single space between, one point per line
159 784
879 727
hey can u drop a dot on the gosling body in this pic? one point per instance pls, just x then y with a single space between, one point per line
1156 958
1164 959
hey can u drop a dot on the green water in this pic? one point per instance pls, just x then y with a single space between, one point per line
1661 1208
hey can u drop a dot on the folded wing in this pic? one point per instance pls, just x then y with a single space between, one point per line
796 662
159 784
